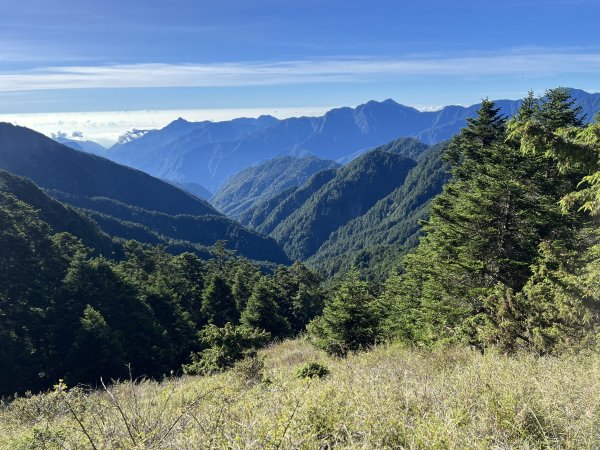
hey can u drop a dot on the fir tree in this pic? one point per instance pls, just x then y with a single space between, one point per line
558 110
218 304
262 311
244 279
350 320
470 145
483 232
96 351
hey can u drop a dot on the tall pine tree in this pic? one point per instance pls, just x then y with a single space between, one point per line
483 234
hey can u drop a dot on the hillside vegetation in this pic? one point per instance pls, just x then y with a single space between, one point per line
369 222
254 184
268 214
391 397
486 336
375 241
127 203
354 189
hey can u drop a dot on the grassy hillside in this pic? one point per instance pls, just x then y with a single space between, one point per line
388 398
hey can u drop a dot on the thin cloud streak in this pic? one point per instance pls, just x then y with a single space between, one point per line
532 64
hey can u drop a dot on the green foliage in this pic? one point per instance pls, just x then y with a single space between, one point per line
126 203
493 267
251 369
66 313
299 294
224 347
96 349
355 188
262 311
244 279
350 320
557 110
375 241
218 303
313 370
254 184
554 312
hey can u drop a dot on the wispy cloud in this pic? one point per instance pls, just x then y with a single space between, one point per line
532 63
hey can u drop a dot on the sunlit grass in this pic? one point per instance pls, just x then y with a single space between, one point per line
390 397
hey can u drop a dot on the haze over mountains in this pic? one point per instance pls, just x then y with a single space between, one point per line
125 202
208 153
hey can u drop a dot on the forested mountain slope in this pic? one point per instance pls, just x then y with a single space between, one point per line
59 217
353 190
381 235
268 214
131 203
263 181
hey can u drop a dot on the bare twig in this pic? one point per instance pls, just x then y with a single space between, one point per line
115 402
74 414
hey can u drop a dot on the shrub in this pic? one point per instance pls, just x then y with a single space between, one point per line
250 370
224 347
312 370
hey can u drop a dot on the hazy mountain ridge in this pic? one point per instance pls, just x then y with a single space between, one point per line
208 153
265 180
83 145
125 195
193 188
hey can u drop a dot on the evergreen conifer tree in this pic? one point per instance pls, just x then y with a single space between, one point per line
350 320
96 351
218 304
484 232
262 311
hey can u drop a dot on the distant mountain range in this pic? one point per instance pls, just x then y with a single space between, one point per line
208 153
82 145
125 202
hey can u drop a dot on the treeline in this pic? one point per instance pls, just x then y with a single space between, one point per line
66 314
510 256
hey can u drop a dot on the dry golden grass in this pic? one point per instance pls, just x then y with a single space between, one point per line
390 397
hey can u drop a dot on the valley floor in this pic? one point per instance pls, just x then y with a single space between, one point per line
390 397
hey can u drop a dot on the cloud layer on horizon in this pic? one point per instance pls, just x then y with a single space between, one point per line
106 127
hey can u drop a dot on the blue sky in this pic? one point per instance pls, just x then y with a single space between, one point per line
82 56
